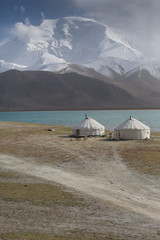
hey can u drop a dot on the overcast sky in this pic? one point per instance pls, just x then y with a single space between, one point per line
138 20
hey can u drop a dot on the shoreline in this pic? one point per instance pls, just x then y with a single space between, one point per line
55 126
109 118
67 110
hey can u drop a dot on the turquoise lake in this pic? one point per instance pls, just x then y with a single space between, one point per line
109 118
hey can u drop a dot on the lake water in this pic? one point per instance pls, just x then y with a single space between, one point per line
109 118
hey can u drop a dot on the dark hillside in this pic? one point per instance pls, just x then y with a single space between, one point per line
40 90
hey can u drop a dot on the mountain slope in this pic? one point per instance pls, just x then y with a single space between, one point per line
55 44
40 90
142 85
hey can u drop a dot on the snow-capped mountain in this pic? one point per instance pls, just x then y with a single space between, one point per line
56 44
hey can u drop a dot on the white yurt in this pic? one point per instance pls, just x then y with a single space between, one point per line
88 127
132 129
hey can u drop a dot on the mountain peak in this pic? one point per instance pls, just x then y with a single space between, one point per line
56 43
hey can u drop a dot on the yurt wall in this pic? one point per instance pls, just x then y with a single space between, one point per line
88 127
132 129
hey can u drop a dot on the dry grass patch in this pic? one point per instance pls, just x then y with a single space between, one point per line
41 236
26 128
145 159
143 156
30 140
38 194
8 175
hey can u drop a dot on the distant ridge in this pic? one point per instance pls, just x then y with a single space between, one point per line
42 90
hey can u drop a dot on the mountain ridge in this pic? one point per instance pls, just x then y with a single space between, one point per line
55 44
85 50
42 90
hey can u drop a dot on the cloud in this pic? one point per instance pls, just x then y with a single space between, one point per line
22 9
3 42
27 21
137 19
26 31
117 12
15 8
43 15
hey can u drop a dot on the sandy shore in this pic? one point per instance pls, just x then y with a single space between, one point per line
120 199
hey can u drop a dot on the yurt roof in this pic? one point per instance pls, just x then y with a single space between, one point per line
89 123
132 123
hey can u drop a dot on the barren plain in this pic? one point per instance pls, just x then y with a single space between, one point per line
53 186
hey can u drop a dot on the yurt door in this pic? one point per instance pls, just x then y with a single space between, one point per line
119 135
77 132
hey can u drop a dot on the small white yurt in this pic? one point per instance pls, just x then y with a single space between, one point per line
88 127
132 129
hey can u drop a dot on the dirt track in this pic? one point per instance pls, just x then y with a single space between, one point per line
92 168
114 183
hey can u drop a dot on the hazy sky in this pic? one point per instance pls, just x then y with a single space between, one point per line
138 20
